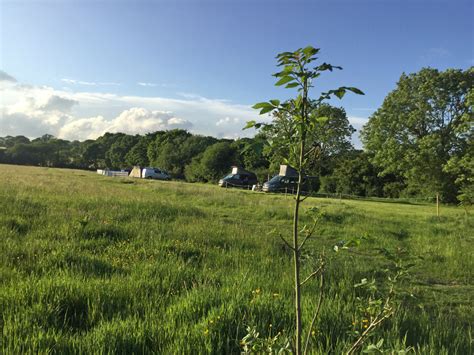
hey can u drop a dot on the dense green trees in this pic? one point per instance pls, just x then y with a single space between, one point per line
420 127
116 154
138 154
213 163
462 165
329 138
354 174
94 153
45 150
173 150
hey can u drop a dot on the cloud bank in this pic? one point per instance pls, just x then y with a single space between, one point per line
35 110
78 115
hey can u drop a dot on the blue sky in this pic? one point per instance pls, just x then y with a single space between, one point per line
108 57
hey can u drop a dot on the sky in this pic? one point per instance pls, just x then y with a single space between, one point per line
77 69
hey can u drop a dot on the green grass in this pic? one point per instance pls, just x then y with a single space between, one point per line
92 264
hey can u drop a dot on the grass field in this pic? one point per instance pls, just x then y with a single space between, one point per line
92 264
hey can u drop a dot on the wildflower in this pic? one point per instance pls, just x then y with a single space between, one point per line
313 333
257 291
365 325
206 332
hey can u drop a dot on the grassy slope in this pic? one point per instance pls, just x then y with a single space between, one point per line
90 263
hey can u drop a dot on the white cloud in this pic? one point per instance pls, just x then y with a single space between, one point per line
227 120
78 82
88 83
22 124
35 110
140 120
357 121
147 84
58 103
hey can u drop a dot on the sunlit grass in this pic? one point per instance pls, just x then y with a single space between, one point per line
98 264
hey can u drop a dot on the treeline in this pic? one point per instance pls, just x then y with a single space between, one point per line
193 158
419 143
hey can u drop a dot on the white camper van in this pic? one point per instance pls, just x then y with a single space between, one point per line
155 173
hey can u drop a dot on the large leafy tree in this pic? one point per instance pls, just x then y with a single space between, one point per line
10 141
138 154
213 163
462 165
173 150
94 153
329 138
419 128
355 175
115 155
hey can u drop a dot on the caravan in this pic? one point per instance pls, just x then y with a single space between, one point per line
149 173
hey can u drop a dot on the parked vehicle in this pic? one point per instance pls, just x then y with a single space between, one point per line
239 178
281 184
287 181
155 173
289 184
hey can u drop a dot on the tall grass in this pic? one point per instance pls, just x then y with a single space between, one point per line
95 264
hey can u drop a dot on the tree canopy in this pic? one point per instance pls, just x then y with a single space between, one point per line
420 127
326 139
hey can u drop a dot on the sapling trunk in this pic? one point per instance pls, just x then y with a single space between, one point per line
296 246
296 260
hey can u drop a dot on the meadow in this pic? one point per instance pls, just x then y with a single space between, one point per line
93 264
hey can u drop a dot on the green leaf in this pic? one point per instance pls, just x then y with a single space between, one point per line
261 105
322 120
356 91
310 51
275 103
250 124
284 80
284 54
287 70
291 85
340 93
266 109
298 100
